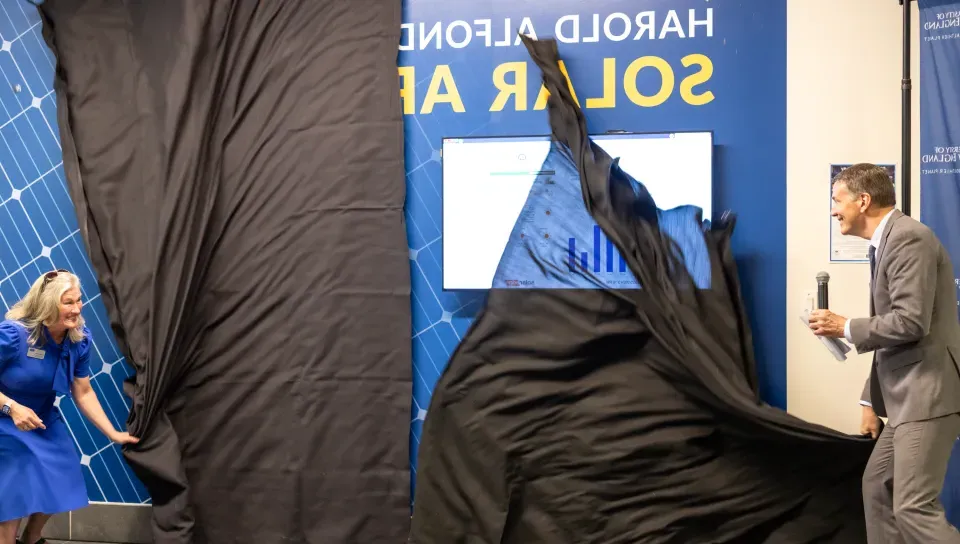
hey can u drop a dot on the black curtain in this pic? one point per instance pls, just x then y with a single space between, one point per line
237 169
582 416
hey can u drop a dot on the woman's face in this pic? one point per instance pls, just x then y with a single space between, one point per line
70 306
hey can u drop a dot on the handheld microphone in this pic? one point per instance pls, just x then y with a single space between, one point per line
823 295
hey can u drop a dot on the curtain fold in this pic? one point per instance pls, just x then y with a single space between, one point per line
237 169
622 415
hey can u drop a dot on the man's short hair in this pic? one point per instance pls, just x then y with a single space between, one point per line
870 179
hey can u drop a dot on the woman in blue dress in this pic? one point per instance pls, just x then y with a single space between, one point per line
44 354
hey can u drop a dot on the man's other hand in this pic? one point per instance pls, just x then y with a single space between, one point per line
869 423
827 323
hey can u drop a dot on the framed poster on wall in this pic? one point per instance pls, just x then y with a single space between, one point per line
850 249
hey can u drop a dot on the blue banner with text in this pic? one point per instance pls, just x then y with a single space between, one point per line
704 81
940 157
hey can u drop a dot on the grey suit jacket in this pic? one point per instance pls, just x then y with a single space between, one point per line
913 328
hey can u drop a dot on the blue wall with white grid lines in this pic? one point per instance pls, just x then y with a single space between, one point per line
38 232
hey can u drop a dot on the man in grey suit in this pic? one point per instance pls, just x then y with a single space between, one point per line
915 377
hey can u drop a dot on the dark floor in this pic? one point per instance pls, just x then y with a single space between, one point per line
72 542
101 523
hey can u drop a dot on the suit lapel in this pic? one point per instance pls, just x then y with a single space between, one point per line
894 217
897 214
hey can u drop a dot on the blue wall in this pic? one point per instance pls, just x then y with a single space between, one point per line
38 232
742 65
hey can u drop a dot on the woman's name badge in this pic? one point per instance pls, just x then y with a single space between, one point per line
35 353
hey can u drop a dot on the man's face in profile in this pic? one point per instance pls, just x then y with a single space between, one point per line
847 209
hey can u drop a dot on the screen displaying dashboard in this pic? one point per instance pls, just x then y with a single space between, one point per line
487 181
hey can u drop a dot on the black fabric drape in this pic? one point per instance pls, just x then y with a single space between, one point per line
624 416
237 169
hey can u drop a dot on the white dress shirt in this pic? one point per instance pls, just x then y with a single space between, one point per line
875 242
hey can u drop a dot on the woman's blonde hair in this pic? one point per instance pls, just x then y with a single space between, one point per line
41 306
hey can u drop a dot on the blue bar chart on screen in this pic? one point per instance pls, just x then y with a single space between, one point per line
600 244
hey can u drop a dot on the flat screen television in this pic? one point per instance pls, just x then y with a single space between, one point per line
487 180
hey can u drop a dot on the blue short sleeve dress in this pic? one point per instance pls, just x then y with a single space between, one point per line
40 470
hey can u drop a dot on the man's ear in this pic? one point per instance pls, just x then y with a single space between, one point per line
864 202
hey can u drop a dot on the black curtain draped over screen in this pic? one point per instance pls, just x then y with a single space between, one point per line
591 416
237 169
